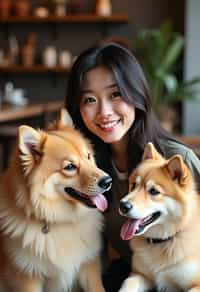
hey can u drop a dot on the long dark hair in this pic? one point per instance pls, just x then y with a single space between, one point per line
134 89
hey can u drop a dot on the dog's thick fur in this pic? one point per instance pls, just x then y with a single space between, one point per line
163 223
49 239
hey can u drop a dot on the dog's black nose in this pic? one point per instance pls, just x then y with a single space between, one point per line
125 207
105 183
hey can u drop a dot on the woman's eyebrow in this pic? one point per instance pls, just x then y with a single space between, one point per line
84 91
112 85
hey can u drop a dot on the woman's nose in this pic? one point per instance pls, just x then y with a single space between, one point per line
105 109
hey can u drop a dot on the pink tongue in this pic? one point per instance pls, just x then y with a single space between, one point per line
129 228
100 202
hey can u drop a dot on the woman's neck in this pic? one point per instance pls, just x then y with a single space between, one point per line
120 155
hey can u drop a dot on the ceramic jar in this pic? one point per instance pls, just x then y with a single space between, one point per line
65 59
49 57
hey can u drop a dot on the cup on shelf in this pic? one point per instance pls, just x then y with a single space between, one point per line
14 96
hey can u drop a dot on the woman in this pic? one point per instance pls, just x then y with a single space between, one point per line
109 100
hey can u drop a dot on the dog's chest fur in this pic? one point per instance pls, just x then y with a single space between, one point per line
171 269
59 253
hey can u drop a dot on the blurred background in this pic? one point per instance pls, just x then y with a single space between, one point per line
40 39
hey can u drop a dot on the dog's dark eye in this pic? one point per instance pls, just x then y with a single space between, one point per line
70 167
153 191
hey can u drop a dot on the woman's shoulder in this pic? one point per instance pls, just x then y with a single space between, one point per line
172 147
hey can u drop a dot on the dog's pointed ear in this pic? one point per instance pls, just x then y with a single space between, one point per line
177 169
30 144
150 152
29 139
65 118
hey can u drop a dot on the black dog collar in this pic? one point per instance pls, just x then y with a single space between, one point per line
158 240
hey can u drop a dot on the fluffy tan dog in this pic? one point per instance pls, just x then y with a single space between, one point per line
163 226
49 219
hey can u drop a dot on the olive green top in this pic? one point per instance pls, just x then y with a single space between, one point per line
120 187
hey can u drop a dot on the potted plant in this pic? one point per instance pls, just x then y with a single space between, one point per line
159 51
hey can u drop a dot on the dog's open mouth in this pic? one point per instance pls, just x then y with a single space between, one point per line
98 201
135 226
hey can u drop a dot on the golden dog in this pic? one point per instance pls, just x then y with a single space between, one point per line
49 219
163 225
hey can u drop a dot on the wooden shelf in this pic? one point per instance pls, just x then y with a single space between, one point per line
33 69
10 113
73 18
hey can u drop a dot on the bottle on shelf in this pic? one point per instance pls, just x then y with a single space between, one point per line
28 51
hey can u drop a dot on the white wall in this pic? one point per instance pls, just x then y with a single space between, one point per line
191 110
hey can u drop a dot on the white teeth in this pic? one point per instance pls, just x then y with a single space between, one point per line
108 125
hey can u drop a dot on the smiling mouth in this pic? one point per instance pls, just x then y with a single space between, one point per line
96 201
109 125
134 226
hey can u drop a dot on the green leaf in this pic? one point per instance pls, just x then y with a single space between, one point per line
159 51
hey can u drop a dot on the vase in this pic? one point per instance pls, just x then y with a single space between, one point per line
103 7
22 8
5 7
60 9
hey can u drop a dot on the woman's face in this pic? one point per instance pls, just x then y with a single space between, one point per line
102 108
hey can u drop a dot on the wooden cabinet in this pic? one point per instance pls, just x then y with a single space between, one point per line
54 20
74 32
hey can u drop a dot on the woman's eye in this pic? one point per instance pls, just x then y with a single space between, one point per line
153 191
116 94
70 167
88 100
